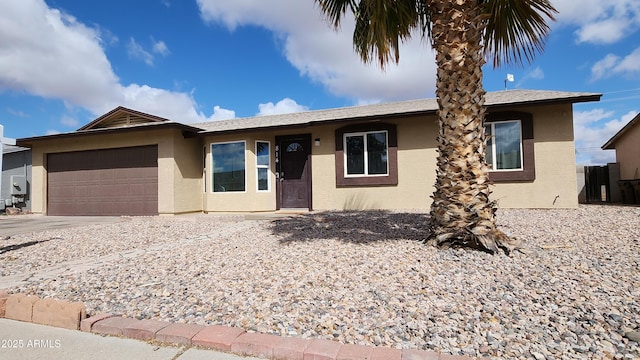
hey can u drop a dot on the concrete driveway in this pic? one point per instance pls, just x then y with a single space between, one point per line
20 224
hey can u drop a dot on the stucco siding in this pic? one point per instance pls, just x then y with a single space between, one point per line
554 184
628 154
184 186
416 172
555 180
187 174
324 169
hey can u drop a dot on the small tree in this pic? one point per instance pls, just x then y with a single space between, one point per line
462 33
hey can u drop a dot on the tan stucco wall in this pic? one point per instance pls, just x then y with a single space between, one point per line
416 182
555 184
187 174
628 154
416 171
170 143
182 188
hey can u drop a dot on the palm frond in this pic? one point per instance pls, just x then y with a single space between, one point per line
516 30
380 25
335 9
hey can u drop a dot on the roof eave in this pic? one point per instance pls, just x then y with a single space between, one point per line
187 132
305 124
611 143
588 97
153 118
564 100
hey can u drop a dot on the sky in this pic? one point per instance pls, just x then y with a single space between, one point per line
64 63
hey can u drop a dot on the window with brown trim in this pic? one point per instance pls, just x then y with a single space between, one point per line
367 155
510 163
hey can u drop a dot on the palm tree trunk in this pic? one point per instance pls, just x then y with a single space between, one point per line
461 212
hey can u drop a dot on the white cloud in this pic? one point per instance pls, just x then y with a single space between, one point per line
613 64
18 113
599 22
592 129
136 51
35 39
67 120
159 47
47 53
535 74
602 67
284 106
106 36
173 105
327 56
630 63
222 114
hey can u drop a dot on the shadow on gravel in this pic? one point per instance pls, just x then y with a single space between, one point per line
353 226
8 248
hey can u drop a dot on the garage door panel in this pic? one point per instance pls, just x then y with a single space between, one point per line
120 181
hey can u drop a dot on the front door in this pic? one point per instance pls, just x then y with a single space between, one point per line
293 158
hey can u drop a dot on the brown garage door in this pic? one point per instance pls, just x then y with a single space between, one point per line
121 181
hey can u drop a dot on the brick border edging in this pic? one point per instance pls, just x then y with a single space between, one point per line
217 337
51 312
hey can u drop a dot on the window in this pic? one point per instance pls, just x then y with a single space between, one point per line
262 164
366 154
510 146
295 147
504 145
228 166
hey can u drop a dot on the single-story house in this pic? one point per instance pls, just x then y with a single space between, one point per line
626 143
378 156
16 177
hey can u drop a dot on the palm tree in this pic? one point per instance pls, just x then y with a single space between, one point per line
462 33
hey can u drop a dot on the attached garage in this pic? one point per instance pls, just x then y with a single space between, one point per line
121 181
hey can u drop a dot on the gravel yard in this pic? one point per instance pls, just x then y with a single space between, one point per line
360 277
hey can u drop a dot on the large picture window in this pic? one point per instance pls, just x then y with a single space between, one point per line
262 165
228 164
366 153
504 145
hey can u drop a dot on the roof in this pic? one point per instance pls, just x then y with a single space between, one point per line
122 119
122 116
99 131
401 108
611 144
8 149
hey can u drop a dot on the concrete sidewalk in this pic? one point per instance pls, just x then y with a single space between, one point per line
22 341
20 224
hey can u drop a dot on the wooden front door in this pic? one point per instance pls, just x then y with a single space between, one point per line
293 166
